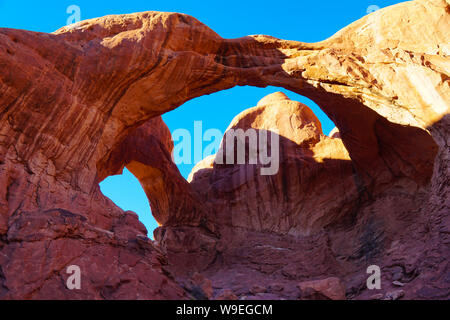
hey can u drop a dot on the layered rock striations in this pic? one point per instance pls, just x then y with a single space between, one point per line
84 102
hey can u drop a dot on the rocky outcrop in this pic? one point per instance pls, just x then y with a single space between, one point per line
326 289
146 152
311 182
81 103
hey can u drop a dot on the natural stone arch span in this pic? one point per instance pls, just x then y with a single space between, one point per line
105 76
208 64
71 98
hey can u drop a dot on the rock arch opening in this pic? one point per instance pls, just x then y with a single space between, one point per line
199 124
145 151
366 159
127 193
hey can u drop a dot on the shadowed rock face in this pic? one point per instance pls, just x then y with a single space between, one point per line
312 183
79 104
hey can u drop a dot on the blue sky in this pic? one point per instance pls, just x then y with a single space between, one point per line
307 21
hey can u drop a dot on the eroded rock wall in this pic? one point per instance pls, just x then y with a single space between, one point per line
74 107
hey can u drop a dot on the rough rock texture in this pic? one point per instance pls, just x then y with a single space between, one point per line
75 107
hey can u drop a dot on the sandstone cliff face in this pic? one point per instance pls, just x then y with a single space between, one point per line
312 184
81 103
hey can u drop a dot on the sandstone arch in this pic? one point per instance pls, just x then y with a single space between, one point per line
71 100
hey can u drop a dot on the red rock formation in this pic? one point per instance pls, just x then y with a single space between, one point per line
73 109
327 289
146 152
312 184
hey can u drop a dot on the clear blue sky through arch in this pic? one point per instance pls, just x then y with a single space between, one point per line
307 21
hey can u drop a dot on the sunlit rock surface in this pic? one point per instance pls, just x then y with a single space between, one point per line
81 103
